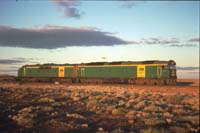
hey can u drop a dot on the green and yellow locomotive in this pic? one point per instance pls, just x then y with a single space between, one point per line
141 72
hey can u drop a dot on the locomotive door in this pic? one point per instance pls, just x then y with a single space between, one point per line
75 69
82 72
61 72
159 72
141 71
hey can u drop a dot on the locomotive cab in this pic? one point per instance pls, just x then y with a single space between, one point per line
172 71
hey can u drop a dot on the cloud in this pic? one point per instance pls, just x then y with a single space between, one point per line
130 3
52 37
69 7
11 61
194 40
172 42
11 66
188 72
183 45
160 41
17 61
187 75
9 71
187 68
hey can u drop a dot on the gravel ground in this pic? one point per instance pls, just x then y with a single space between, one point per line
98 108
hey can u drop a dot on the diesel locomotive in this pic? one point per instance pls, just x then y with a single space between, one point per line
153 72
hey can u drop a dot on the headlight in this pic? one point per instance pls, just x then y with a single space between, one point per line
173 73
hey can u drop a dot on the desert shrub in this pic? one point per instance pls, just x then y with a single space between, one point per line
154 121
118 111
176 99
92 105
177 129
153 108
46 109
46 100
194 120
140 105
150 130
179 111
25 117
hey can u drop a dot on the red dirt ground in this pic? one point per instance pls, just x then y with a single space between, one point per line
45 107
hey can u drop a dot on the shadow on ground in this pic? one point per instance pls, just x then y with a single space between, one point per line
185 83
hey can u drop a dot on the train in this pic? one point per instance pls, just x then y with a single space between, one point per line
151 72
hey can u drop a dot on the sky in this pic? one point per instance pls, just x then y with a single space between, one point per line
77 31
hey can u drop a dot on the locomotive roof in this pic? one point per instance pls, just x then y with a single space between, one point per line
112 63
